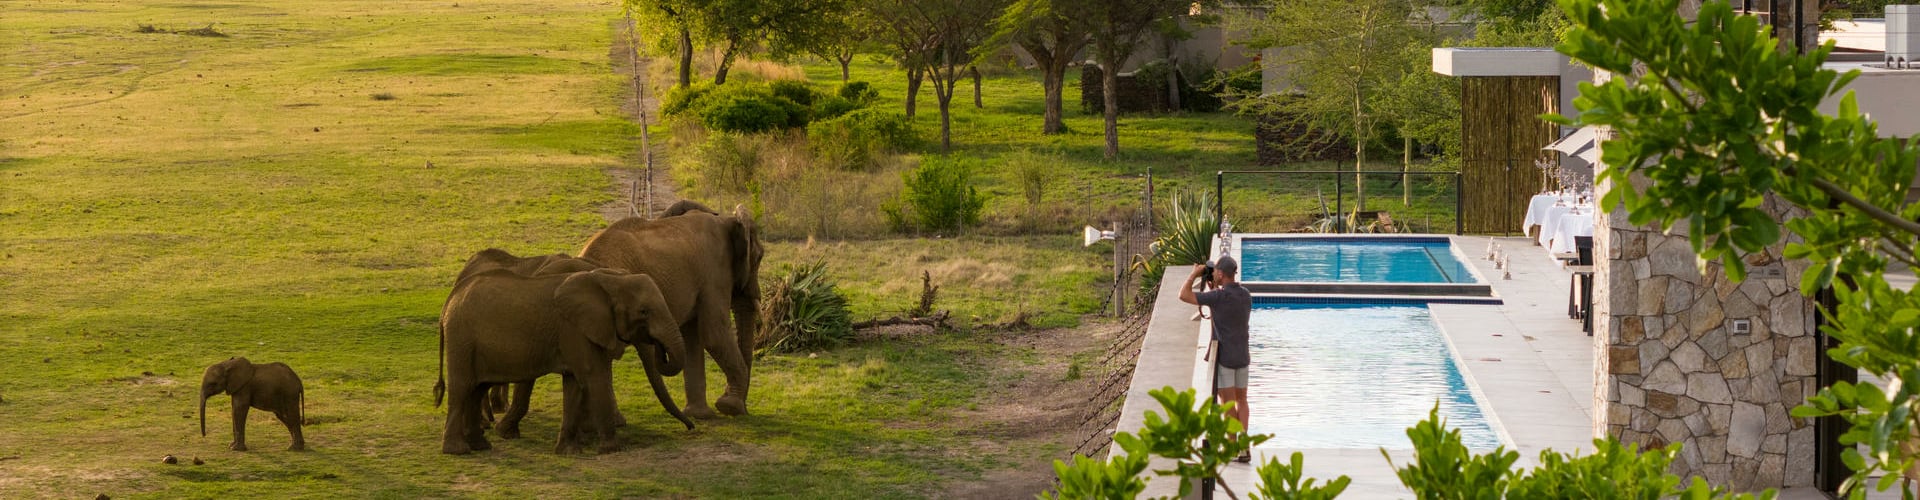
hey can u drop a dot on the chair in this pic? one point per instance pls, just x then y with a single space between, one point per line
1582 284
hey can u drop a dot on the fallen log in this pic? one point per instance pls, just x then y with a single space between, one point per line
937 319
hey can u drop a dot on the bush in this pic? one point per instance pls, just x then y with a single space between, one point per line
1035 171
684 98
793 90
939 196
744 109
803 311
857 92
727 162
857 140
828 107
1442 468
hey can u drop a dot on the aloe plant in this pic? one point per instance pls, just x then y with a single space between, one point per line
802 310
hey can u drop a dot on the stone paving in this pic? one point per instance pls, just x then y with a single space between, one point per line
1530 365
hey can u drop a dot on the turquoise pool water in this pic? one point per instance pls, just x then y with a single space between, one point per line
1340 260
1354 375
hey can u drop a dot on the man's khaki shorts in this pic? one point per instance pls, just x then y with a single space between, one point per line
1230 378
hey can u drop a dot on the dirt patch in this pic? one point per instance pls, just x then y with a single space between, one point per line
1034 416
642 188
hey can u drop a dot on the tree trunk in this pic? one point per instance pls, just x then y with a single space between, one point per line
1054 79
686 58
1109 86
914 76
946 76
1406 165
726 63
976 87
1173 77
844 58
1359 157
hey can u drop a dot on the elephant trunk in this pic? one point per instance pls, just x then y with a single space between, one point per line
666 333
746 323
203 415
652 363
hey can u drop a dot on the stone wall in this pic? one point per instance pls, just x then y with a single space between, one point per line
1670 370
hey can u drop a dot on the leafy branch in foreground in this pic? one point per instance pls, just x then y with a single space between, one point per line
1713 121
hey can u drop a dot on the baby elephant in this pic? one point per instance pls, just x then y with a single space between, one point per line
272 387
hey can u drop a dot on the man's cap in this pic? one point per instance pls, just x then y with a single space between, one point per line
1226 266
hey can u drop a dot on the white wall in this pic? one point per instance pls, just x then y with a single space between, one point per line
1889 97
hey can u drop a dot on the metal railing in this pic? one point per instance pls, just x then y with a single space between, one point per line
1339 190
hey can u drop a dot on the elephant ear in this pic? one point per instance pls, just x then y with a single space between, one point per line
585 298
239 374
744 243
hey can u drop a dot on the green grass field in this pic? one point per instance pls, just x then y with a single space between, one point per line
304 189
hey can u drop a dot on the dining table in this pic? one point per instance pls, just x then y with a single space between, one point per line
1538 206
1574 222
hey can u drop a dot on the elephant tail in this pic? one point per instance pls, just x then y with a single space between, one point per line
303 406
440 384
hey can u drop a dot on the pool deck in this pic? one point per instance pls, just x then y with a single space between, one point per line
1529 364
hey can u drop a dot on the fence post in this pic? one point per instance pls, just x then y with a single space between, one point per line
1339 210
1459 200
1219 200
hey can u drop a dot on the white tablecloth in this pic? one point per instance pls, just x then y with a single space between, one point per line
1550 218
1538 205
1569 225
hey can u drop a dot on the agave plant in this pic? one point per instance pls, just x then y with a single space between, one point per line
1186 237
1187 229
802 311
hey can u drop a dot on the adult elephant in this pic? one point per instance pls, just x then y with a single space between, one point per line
500 327
497 399
708 266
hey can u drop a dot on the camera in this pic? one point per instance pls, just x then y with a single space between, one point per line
1206 275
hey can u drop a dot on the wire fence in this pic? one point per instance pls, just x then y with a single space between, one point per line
1114 368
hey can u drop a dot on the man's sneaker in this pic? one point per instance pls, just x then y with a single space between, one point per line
1245 457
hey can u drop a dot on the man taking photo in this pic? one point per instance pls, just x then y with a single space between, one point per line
1231 304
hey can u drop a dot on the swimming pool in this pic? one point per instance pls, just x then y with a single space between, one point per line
1399 260
1354 375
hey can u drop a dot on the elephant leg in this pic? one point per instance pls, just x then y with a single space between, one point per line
509 425
240 408
453 437
599 386
475 429
291 417
718 336
570 410
497 398
694 371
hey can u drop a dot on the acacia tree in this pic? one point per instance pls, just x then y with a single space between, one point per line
1046 30
670 16
937 37
1710 120
1117 28
737 26
837 37
1340 56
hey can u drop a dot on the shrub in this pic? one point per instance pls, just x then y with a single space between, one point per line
828 107
1035 171
684 98
939 196
743 109
727 162
859 139
857 92
793 90
803 311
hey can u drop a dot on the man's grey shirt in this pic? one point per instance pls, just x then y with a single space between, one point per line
1230 305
